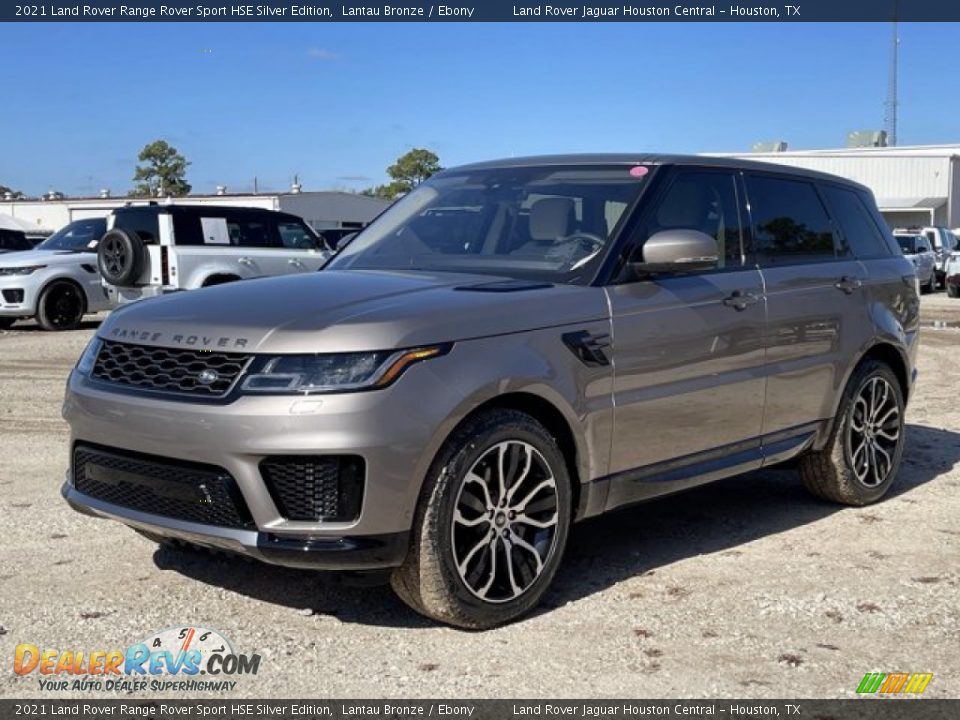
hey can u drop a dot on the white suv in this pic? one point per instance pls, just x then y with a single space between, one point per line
151 250
56 282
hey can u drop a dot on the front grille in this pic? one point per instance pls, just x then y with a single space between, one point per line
202 373
315 487
182 490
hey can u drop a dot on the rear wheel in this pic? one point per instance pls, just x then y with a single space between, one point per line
61 306
930 285
953 291
492 525
859 462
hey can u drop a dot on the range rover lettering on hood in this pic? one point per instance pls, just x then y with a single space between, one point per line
200 341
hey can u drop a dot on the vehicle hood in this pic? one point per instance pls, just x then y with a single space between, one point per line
22 258
346 311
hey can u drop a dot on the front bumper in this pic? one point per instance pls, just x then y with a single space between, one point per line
371 552
18 295
393 430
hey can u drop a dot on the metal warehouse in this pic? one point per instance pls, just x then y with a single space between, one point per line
323 210
914 185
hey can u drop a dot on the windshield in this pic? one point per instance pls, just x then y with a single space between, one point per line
548 224
76 236
907 243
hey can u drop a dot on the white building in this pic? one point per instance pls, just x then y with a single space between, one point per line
914 185
322 210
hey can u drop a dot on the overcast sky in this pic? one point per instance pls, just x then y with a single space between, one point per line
337 103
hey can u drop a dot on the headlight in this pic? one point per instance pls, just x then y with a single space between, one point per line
25 270
305 374
89 357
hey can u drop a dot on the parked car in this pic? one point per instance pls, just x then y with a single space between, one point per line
56 282
952 275
512 347
14 241
942 242
152 250
918 251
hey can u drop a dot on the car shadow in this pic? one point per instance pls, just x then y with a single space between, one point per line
601 552
89 322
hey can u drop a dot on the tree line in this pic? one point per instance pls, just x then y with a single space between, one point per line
162 171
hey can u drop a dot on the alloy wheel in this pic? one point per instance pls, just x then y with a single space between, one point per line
114 257
874 432
64 306
504 524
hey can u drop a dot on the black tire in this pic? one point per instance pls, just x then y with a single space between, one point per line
120 257
7 322
833 473
61 306
953 291
429 580
930 285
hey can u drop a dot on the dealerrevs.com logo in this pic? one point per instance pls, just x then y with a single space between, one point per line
182 659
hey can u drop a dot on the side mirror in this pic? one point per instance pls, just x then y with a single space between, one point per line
678 251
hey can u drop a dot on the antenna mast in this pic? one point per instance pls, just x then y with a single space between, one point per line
891 115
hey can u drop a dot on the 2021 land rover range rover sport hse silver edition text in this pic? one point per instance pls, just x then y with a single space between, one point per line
510 348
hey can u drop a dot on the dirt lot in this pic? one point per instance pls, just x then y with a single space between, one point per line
745 588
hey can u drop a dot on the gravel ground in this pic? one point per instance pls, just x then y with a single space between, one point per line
746 588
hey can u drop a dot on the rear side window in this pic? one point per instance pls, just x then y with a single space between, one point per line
790 224
142 221
860 236
702 201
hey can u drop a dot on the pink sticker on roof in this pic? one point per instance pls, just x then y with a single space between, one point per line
639 171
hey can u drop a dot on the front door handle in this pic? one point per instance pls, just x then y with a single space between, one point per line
848 284
741 300
295 262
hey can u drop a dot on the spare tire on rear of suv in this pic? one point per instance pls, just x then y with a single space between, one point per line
120 256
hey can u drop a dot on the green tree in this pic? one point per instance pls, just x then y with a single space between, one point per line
162 172
413 168
407 172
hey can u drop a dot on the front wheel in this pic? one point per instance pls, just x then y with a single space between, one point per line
61 306
859 462
492 525
953 291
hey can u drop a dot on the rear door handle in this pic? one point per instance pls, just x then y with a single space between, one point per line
848 284
741 300
245 261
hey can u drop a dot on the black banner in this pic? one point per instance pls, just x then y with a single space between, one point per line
862 708
485 11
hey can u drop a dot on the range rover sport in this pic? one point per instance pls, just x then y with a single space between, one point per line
512 347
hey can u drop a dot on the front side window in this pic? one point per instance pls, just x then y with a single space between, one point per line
701 201
295 236
548 223
790 224
245 232
79 236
